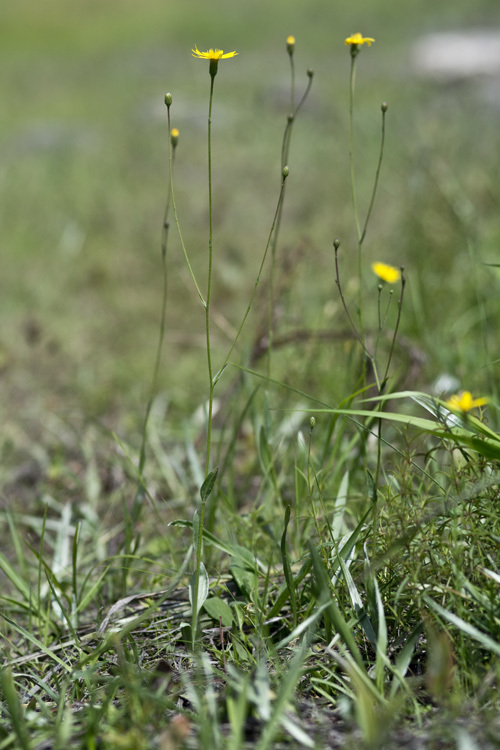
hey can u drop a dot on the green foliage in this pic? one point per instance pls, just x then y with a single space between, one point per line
340 572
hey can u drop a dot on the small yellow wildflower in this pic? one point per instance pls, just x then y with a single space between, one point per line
212 54
359 39
386 273
464 402
174 136
290 44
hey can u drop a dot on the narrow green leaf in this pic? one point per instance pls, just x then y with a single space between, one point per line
334 613
203 588
357 603
339 507
208 485
487 446
381 655
14 577
465 627
404 658
40 646
11 698
287 569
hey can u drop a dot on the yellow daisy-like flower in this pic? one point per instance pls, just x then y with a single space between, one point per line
464 402
359 39
386 273
214 55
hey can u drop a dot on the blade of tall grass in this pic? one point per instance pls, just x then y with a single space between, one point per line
15 709
332 611
470 630
32 639
287 569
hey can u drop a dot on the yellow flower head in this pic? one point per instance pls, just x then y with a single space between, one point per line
464 402
359 39
386 273
212 54
290 40
174 136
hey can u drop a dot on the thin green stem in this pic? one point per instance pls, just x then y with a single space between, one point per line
256 283
139 496
177 224
209 288
366 353
285 150
199 538
396 328
352 82
377 174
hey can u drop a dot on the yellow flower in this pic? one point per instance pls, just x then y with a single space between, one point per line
290 40
174 136
386 273
214 55
464 402
359 39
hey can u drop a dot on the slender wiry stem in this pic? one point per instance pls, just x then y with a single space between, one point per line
257 279
366 353
285 150
139 496
396 327
209 284
177 224
381 389
377 174
198 541
352 82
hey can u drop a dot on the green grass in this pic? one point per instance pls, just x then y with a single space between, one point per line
349 582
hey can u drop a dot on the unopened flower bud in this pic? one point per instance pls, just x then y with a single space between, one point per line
310 72
312 423
336 243
285 172
168 99
384 107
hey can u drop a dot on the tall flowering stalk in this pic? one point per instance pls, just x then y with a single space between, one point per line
139 496
354 42
213 56
285 150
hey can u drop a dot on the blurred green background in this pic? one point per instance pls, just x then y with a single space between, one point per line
83 177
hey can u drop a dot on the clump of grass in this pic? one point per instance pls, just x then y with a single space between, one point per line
335 575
